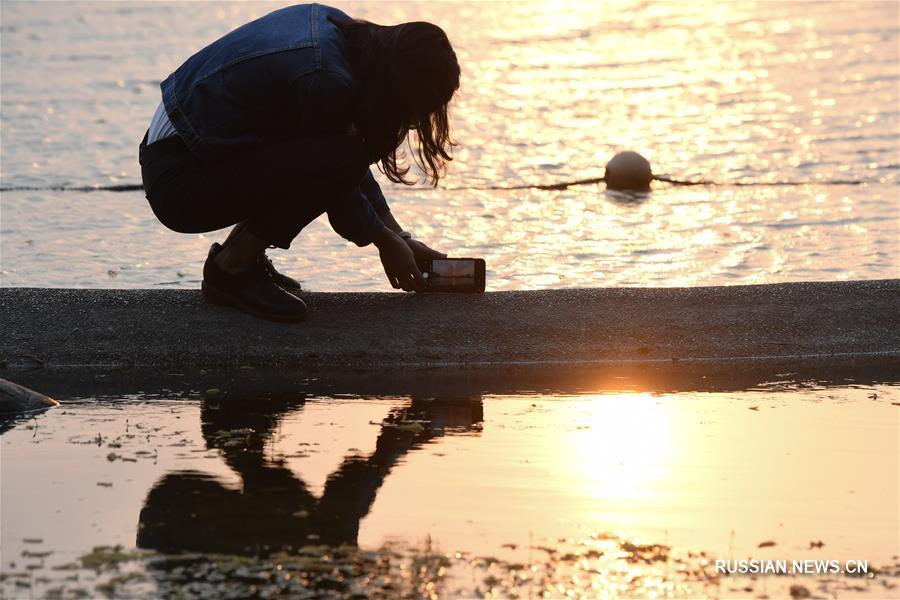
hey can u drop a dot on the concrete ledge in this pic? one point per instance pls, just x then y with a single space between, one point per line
86 327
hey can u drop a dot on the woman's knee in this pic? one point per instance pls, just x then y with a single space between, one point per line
174 220
182 215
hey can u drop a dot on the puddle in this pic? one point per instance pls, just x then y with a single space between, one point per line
214 493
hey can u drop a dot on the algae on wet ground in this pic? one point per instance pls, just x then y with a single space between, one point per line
594 566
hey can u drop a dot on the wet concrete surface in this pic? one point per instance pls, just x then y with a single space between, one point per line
93 327
449 382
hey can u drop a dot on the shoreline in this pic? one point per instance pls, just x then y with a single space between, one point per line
103 328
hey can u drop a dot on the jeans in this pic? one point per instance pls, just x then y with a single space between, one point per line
277 188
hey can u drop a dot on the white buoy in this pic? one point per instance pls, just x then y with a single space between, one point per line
628 171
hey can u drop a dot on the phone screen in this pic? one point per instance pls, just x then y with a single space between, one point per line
448 274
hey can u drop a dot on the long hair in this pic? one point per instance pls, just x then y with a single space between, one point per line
408 73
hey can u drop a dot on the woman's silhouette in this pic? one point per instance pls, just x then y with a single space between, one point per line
278 122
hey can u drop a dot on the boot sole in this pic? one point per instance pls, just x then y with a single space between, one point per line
220 298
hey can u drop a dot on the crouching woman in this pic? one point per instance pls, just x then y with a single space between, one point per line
280 121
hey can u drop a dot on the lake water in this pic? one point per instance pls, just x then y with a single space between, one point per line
734 92
623 485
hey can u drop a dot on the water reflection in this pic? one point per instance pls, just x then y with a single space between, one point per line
621 447
629 471
626 198
274 509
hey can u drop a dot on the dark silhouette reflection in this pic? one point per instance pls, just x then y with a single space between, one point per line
274 510
626 197
7 422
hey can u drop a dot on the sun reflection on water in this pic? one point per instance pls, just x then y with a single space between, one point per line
620 447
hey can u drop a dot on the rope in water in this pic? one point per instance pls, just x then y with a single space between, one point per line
130 187
136 187
666 179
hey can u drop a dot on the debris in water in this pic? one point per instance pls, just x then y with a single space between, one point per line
108 556
799 591
412 426
112 456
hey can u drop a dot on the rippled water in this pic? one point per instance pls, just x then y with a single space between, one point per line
726 91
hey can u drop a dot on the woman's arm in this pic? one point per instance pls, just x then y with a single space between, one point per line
372 190
390 222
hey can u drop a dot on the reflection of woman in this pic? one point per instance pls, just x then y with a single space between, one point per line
274 510
278 122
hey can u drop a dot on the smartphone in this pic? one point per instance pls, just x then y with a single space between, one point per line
455 275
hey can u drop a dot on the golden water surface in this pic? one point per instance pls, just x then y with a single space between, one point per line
732 92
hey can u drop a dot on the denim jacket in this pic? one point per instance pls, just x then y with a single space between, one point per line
282 76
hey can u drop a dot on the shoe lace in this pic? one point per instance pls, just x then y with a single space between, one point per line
268 267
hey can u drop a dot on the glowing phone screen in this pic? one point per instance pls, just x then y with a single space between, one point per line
452 273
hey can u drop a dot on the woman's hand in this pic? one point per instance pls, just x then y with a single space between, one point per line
399 261
422 252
